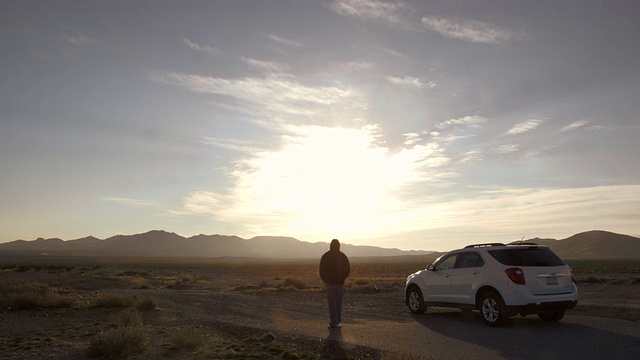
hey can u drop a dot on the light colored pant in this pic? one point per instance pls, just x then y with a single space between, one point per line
334 299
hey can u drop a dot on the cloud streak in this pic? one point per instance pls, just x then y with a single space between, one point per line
197 47
471 30
386 11
575 125
274 93
412 82
525 126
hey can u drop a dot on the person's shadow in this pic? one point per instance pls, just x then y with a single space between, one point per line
333 344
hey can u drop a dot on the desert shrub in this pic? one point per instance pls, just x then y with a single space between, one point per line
590 280
127 317
23 268
119 342
31 296
361 282
147 304
295 283
185 339
115 301
634 280
290 355
266 337
613 281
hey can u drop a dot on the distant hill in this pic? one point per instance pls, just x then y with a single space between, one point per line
598 244
594 244
165 244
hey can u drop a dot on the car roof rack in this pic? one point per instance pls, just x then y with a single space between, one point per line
524 243
483 245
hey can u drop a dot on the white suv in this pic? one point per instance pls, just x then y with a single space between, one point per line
498 280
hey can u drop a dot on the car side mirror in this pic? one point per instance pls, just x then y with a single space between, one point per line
430 267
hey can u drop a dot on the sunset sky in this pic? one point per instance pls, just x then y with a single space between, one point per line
405 124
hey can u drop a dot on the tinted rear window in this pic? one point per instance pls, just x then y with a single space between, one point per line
527 257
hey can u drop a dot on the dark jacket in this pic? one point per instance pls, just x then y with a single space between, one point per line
334 267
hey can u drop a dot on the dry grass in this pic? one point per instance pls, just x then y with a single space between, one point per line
185 339
127 317
27 295
127 337
147 304
119 342
126 301
116 301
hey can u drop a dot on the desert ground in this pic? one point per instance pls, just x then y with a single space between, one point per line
78 308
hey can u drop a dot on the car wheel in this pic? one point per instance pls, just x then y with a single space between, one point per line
552 316
492 309
416 301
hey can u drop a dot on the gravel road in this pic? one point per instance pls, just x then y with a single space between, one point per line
382 321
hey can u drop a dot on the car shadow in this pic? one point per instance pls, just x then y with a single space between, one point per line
532 338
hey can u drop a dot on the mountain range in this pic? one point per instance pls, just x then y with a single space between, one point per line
158 243
594 244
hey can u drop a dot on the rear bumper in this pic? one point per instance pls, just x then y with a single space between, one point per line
543 307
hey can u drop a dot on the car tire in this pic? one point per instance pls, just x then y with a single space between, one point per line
415 301
552 316
493 309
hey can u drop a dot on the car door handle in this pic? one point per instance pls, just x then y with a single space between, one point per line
476 272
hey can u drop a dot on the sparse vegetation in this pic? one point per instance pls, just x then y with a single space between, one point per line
116 301
112 306
26 295
119 342
127 317
294 283
185 339
127 337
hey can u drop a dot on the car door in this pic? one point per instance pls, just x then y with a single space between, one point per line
465 277
439 283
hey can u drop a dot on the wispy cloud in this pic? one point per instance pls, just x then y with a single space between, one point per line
525 126
129 201
269 66
471 30
465 121
412 81
394 53
244 146
284 41
472 156
197 47
387 11
276 94
78 39
575 125
508 148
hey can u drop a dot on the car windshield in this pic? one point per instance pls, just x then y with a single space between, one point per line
530 256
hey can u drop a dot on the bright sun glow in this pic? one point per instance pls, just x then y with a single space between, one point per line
323 180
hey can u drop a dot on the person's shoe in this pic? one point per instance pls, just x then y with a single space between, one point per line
330 327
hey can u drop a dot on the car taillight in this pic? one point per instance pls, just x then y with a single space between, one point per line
516 275
573 279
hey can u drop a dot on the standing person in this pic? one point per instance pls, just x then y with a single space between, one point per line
334 269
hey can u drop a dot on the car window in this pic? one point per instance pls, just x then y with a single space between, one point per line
469 260
529 256
446 263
